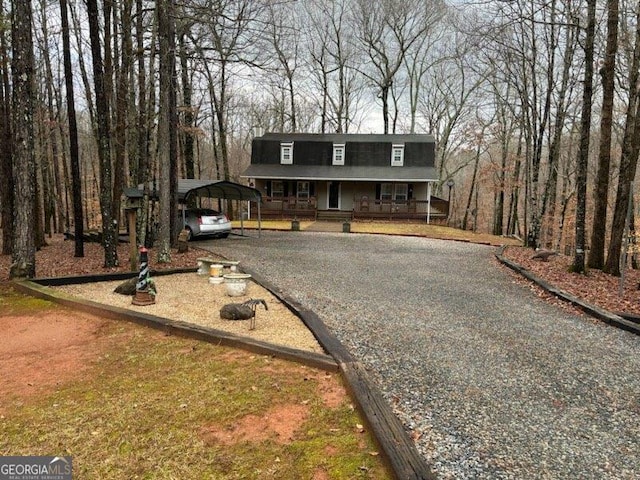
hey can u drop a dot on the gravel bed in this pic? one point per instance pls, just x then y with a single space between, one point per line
190 298
491 381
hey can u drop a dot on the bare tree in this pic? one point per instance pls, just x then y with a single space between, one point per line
585 131
24 163
386 33
6 175
334 64
78 221
628 158
109 221
601 192
166 123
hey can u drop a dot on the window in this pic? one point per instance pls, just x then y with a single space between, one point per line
386 191
286 153
303 190
338 154
397 155
402 192
277 188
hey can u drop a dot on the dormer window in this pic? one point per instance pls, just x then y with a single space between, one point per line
338 154
397 155
286 153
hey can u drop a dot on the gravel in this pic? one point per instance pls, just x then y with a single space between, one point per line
491 381
190 298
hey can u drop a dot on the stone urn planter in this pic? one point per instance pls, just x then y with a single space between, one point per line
215 274
236 283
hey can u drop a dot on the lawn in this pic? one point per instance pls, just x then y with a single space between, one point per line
394 228
128 402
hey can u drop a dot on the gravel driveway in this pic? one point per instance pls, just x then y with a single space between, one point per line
493 382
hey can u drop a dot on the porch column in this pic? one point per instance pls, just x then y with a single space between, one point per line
428 202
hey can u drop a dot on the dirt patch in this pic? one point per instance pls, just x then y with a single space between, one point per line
39 352
279 423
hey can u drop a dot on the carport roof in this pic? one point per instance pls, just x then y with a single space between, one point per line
188 187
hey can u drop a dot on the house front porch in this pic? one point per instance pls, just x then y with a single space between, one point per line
363 208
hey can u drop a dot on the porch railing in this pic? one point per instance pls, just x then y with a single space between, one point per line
362 208
289 206
366 208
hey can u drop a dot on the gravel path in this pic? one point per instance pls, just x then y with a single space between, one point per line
493 382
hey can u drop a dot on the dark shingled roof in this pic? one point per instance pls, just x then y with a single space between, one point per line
344 173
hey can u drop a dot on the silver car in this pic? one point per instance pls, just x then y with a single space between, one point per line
204 221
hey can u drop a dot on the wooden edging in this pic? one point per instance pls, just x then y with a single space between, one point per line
597 312
399 451
178 328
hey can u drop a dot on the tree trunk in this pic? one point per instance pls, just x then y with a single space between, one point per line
628 161
23 259
187 128
78 220
109 226
121 98
167 68
583 151
601 194
6 175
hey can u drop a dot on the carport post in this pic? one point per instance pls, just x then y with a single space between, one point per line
259 220
242 218
428 202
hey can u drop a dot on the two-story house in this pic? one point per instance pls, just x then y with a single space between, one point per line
346 176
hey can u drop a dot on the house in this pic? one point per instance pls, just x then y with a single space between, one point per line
345 176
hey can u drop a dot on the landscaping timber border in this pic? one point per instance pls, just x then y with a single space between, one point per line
38 288
596 312
398 450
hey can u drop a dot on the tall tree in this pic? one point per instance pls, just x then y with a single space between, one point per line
122 73
76 184
109 221
166 124
628 158
24 163
585 132
601 193
386 33
6 175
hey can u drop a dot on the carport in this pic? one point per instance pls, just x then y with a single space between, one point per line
189 188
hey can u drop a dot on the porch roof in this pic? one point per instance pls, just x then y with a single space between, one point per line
342 173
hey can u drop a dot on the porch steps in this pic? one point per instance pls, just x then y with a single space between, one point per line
334 215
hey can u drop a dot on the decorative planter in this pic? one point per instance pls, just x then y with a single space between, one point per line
236 283
215 274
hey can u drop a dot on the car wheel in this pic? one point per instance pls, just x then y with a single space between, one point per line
224 235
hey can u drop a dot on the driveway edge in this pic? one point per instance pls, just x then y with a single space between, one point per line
400 452
594 311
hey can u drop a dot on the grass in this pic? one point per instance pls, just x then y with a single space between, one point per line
147 404
395 228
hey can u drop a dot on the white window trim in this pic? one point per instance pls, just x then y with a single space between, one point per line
405 194
397 148
280 191
386 196
303 194
338 147
286 149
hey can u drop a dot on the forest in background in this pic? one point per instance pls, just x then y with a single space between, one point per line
533 104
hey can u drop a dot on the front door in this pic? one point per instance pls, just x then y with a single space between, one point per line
334 195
